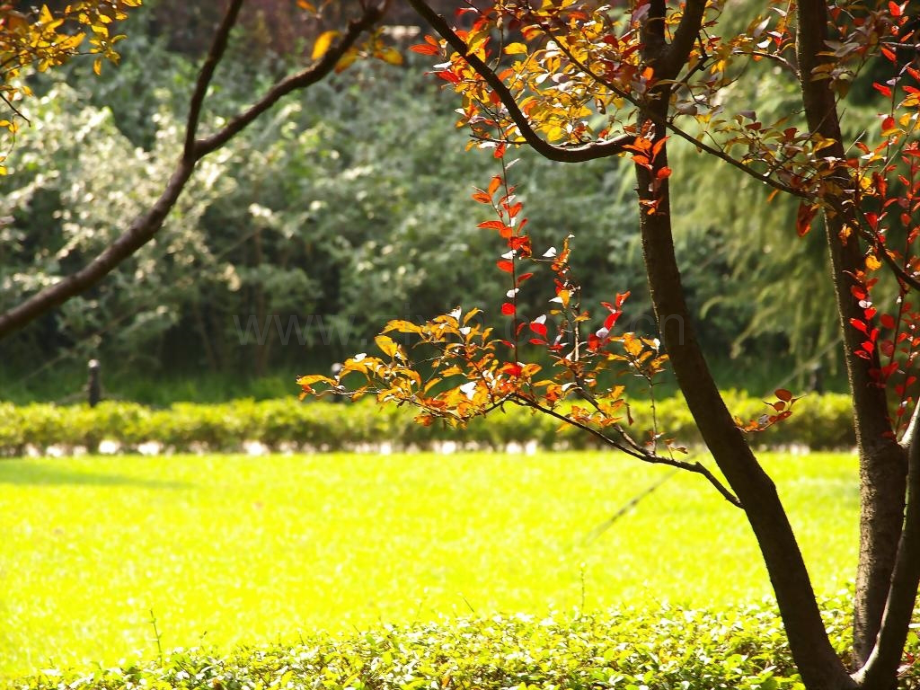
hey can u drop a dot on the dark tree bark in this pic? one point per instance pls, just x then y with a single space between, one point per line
882 461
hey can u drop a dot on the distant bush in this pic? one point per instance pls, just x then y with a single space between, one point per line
671 648
819 422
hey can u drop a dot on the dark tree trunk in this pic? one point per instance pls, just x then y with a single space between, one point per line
816 659
882 462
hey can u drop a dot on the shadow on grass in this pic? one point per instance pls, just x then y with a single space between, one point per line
24 474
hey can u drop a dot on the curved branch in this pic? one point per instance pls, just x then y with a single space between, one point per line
669 124
146 226
215 55
695 467
307 77
562 154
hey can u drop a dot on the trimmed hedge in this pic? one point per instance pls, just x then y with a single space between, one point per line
635 649
818 422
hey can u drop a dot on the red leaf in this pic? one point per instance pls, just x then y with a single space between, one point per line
523 277
425 49
448 76
508 309
537 341
499 150
887 321
506 266
804 217
512 369
495 184
611 319
888 123
859 326
783 394
894 8
884 90
538 328
520 242
491 225
663 173
482 197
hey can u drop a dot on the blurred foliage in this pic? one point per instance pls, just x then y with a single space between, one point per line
341 210
819 422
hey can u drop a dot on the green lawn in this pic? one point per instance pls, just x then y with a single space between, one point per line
233 549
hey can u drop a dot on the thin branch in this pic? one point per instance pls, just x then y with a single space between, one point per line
307 77
215 55
145 226
695 467
779 59
562 154
669 124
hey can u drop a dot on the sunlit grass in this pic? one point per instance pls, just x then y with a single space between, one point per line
231 549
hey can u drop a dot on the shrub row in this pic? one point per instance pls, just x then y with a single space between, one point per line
819 422
656 649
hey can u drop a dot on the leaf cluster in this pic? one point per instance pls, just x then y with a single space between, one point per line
669 647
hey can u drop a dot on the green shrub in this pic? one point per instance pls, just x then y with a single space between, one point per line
818 422
668 648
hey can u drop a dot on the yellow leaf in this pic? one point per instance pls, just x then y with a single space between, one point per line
872 263
515 49
402 327
346 60
97 66
314 378
323 42
391 56
386 345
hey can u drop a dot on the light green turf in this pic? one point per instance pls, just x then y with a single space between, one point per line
231 549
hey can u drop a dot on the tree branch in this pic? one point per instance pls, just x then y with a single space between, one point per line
669 124
145 226
562 154
307 77
651 458
675 55
215 55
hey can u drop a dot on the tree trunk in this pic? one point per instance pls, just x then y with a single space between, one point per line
818 663
882 462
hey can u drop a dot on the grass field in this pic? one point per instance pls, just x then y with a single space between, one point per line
233 549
